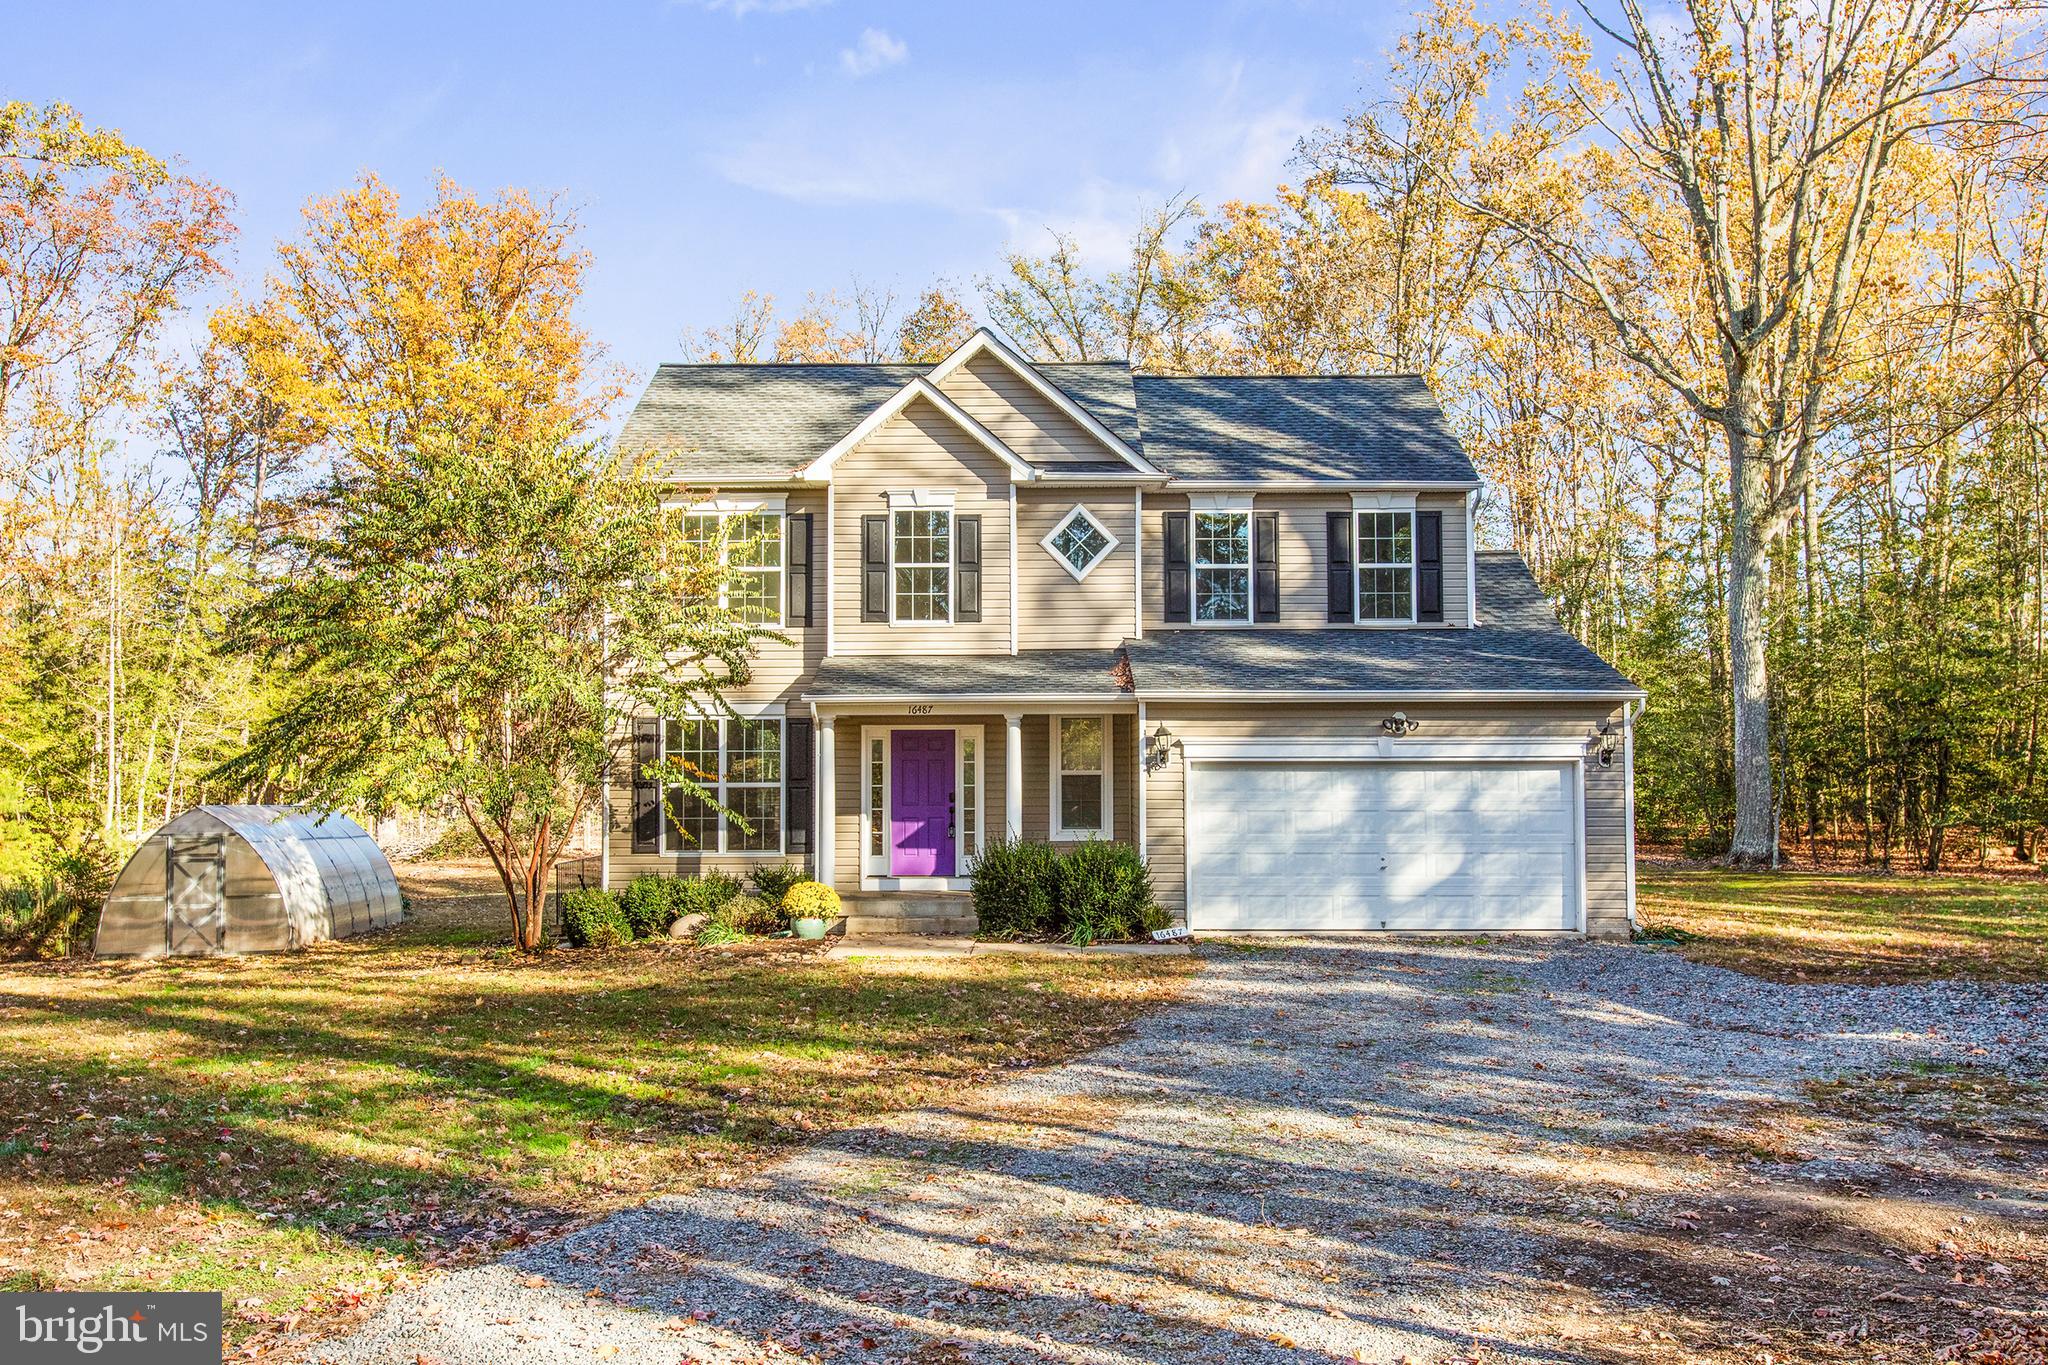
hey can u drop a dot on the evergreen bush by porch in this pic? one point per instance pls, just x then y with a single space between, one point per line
1095 892
1101 893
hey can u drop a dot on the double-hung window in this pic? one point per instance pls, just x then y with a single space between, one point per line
749 549
922 559
738 764
1222 565
1080 777
1386 566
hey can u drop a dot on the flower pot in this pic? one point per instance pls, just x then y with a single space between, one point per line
808 928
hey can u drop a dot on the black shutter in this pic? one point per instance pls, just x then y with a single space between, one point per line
1429 566
1266 566
796 785
1179 602
967 569
646 793
796 549
874 568
1341 580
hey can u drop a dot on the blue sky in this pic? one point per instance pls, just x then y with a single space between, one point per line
711 146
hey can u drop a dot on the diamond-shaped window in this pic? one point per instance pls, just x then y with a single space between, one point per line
1079 542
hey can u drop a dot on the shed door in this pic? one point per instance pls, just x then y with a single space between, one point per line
196 909
1396 846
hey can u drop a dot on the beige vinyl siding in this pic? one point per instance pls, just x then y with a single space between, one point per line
1304 554
1053 610
781 672
626 864
921 448
849 782
1606 789
1022 419
1607 841
1123 779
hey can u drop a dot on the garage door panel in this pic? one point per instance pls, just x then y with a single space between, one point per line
1400 846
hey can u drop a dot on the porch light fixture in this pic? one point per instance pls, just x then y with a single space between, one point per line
1604 745
1160 751
1400 724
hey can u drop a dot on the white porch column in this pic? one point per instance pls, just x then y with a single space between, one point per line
823 822
1013 774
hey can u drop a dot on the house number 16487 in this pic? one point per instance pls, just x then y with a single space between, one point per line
921 710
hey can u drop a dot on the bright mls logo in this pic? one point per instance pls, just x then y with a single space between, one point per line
160 1329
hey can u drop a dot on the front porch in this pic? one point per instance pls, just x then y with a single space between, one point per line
916 790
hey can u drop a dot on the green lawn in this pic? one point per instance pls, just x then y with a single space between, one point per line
302 1131
1852 927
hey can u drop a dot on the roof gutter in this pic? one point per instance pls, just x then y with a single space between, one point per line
1327 485
1397 694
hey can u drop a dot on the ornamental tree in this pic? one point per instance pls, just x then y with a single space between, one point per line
474 623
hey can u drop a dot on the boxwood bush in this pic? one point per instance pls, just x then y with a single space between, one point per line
1013 885
594 919
653 902
1101 893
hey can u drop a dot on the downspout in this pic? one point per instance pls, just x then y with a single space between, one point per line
1138 579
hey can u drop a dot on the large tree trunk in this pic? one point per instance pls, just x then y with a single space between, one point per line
1749 580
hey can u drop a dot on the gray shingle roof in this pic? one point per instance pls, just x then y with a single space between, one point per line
768 421
1039 672
1285 427
1518 646
771 420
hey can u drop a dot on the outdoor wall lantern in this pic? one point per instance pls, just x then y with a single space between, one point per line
1399 724
1160 752
1604 744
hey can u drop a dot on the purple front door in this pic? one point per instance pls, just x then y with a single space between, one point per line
921 803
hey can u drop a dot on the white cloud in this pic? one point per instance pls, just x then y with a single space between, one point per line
1087 154
740 9
875 50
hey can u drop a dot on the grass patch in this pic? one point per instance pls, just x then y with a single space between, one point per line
1786 926
304 1131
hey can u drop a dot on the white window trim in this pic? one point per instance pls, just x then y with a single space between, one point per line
874 870
1240 507
1081 575
718 787
1061 834
725 509
925 500
1359 566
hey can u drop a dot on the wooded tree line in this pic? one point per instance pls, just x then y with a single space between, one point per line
1741 318
343 538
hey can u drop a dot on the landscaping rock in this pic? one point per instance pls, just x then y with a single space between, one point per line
688 925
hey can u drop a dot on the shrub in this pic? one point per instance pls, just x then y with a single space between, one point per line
811 900
647 903
772 882
717 931
594 919
1102 892
705 895
1155 918
749 915
1014 884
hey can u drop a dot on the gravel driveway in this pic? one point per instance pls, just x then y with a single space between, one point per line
1360 1152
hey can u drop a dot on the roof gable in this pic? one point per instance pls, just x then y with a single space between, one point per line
1021 469
987 343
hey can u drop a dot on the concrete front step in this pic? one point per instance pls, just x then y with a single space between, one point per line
908 912
867 926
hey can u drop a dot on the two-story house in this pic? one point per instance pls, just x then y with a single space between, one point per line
1238 622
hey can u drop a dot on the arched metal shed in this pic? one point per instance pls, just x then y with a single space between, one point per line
247 879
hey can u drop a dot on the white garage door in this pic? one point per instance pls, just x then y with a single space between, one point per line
1395 846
